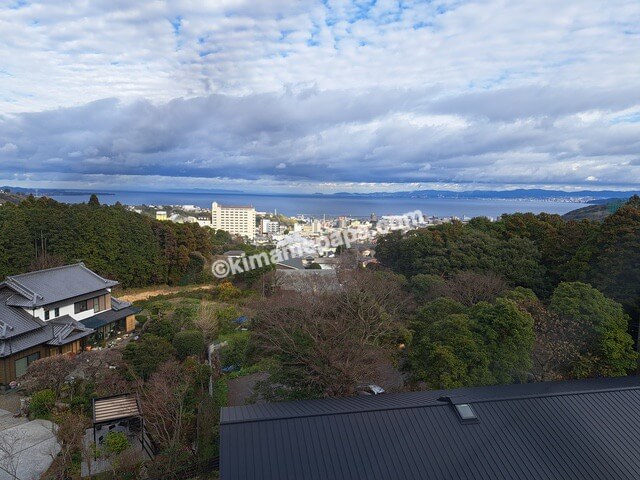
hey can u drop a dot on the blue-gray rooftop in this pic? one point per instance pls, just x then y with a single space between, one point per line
586 429
46 287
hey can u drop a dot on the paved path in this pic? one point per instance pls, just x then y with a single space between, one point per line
27 449
11 401
7 420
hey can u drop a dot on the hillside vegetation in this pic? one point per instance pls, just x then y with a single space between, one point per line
6 196
111 240
532 251
597 212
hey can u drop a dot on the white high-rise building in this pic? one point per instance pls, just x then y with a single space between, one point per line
238 220
269 226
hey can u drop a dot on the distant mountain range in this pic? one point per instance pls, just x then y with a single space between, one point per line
71 191
522 193
590 196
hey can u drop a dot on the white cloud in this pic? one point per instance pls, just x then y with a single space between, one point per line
9 148
336 91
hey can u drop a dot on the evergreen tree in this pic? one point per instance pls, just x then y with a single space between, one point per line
605 345
93 200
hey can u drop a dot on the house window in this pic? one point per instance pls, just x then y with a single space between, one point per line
101 303
57 312
47 314
80 307
23 363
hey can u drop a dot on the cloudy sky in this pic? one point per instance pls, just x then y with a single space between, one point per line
333 95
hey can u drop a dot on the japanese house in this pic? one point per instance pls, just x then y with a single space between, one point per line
55 311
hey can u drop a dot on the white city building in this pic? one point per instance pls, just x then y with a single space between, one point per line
238 220
269 226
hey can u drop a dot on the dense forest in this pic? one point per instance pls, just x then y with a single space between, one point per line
527 298
533 251
111 240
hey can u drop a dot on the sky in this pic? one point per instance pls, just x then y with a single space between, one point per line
320 96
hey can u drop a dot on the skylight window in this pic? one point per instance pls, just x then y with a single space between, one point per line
466 413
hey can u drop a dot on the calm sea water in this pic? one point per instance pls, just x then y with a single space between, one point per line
318 205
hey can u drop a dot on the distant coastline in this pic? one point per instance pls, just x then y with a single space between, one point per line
335 205
579 196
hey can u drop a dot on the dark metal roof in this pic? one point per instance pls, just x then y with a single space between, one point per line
119 311
28 340
45 287
586 429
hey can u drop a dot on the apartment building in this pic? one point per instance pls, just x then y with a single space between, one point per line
269 226
238 220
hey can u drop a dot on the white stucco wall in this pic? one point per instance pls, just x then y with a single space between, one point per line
68 309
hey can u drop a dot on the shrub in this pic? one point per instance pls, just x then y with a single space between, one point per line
188 342
141 319
235 353
42 403
162 327
226 291
226 315
185 314
115 443
145 355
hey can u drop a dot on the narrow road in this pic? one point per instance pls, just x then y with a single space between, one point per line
159 290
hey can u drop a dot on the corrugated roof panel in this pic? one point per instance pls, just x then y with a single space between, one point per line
561 431
114 408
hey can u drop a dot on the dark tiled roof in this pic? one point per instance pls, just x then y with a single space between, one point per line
308 280
45 287
117 304
563 430
15 321
23 342
294 263
59 331
67 330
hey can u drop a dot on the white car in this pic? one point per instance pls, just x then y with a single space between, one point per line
370 389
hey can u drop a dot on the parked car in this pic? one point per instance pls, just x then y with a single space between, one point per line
370 389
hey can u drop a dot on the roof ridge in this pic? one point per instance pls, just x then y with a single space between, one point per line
21 289
105 280
545 394
436 403
59 267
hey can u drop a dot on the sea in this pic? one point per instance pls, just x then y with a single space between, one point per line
333 205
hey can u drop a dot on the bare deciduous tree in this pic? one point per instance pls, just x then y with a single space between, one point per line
328 343
49 372
164 403
70 433
558 342
469 288
10 454
207 320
